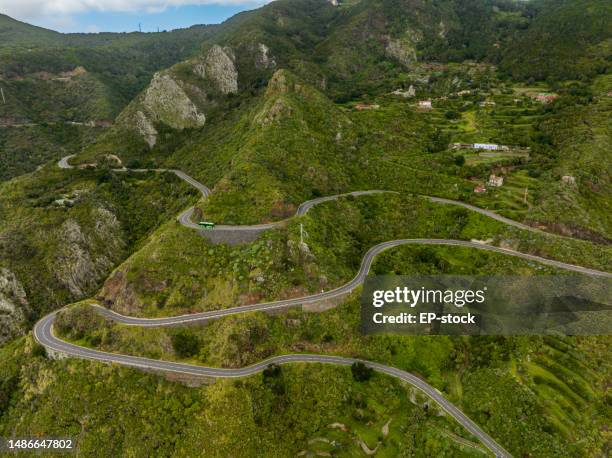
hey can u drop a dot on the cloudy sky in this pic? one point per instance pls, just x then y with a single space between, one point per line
123 15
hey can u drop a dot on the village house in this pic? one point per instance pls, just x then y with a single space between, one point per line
366 106
461 145
487 103
487 146
480 189
546 97
425 104
495 181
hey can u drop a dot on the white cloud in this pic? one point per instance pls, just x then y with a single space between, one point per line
36 9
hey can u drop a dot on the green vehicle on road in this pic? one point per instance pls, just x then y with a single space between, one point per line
206 225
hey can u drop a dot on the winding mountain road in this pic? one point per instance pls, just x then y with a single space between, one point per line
44 335
185 217
43 330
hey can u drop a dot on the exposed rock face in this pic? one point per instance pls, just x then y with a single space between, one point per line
276 106
145 128
165 101
13 303
74 265
411 92
264 59
218 66
118 293
281 82
401 51
278 110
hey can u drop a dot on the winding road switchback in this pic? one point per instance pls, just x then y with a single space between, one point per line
43 330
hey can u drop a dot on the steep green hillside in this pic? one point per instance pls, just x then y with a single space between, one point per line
19 34
23 149
576 143
577 37
560 382
48 77
311 408
177 271
62 232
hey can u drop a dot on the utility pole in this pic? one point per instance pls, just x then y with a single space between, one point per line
139 27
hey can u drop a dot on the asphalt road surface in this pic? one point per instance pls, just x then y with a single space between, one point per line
185 218
43 333
43 330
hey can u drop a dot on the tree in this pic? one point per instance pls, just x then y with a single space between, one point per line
274 380
452 114
459 160
185 343
438 141
361 372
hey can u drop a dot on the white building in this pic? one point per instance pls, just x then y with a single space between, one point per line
495 181
489 146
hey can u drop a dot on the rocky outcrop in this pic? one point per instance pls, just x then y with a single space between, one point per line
75 265
119 295
276 106
276 111
218 66
282 82
264 59
13 305
145 128
403 49
165 101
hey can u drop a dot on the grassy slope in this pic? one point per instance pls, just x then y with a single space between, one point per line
116 411
178 271
118 67
28 147
580 38
580 134
489 378
561 397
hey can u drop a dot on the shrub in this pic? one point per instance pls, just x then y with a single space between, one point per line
452 114
361 372
185 344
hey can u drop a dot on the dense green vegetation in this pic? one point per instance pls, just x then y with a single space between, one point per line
561 401
121 63
178 271
115 411
28 147
579 37
61 232
326 102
